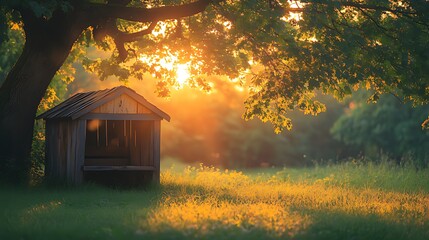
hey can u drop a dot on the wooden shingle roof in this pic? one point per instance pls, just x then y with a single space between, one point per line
83 103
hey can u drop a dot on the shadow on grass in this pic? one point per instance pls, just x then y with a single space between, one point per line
85 212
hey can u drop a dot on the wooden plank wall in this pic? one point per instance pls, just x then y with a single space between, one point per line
141 143
56 151
70 153
62 151
122 104
146 144
80 133
65 150
52 149
156 151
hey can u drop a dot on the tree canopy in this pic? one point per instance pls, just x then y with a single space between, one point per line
336 46
386 128
290 48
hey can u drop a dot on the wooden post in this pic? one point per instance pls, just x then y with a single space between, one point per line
156 151
70 150
62 151
98 132
105 124
80 138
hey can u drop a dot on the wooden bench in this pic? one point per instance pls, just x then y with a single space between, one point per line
117 168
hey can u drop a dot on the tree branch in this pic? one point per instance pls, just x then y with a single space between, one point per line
385 30
358 5
104 19
375 7
121 38
103 11
128 37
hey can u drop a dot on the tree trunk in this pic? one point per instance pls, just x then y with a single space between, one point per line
47 45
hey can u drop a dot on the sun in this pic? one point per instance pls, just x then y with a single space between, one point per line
170 62
182 74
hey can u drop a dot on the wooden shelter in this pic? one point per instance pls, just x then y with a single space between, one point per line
110 136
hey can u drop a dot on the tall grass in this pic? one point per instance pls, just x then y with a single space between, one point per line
385 176
349 201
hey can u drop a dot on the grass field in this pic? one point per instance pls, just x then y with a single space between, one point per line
348 201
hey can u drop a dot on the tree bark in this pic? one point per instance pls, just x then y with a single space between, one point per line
47 46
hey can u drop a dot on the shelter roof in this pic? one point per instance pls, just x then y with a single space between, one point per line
83 103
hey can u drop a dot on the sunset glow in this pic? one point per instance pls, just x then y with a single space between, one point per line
182 74
170 63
